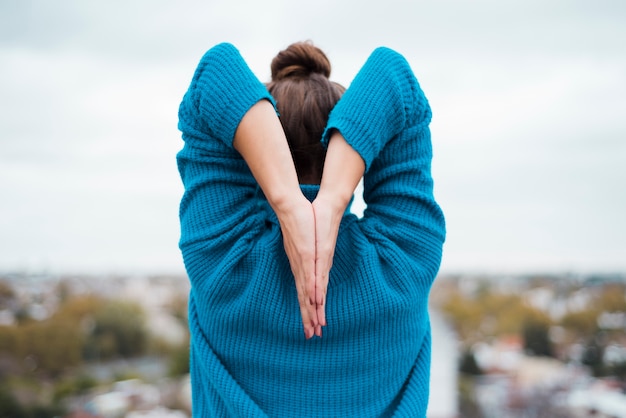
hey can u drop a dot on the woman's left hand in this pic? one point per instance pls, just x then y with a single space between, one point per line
328 216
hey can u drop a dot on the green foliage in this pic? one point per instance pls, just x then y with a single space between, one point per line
488 314
584 323
83 328
612 298
468 405
22 316
6 293
44 411
179 361
178 309
618 370
593 356
63 291
11 408
8 339
581 323
49 346
468 364
536 338
74 385
118 330
79 308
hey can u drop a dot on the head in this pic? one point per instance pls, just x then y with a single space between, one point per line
304 97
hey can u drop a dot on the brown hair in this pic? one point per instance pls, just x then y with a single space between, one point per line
304 97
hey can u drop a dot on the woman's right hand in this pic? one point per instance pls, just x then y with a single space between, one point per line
297 223
262 143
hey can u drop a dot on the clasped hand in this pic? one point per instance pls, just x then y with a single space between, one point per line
309 229
309 236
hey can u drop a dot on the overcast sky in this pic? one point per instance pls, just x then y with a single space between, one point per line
529 121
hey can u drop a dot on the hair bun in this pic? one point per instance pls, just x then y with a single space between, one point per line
300 59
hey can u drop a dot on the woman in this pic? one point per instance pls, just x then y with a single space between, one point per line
265 215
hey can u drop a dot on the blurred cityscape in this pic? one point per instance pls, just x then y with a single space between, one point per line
538 345
93 346
503 346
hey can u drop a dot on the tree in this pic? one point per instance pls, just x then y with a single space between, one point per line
110 328
9 407
6 293
179 361
468 364
593 356
536 338
581 323
49 346
118 330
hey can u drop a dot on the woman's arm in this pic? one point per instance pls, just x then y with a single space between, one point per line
227 114
384 117
343 168
262 143
217 213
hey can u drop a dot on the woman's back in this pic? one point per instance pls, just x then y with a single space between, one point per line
249 357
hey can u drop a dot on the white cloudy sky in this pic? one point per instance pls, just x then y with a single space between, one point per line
529 128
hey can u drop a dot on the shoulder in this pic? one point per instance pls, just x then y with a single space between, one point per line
221 49
385 56
222 54
388 54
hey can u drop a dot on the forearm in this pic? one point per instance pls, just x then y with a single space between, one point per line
262 143
260 140
343 169
383 100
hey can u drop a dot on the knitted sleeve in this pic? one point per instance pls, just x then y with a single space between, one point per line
384 115
222 90
218 211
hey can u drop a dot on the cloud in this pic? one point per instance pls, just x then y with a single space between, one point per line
527 101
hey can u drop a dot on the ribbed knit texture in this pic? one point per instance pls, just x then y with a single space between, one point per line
249 354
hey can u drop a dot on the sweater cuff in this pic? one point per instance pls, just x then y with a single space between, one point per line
223 90
374 108
356 135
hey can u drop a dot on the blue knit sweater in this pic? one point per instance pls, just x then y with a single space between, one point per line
249 357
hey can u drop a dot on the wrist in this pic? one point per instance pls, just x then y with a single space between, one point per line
335 199
284 202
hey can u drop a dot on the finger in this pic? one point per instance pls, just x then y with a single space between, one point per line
307 311
321 314
303 267
309 289
322 269
320 299
307 322
308 332
310 282
321 284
